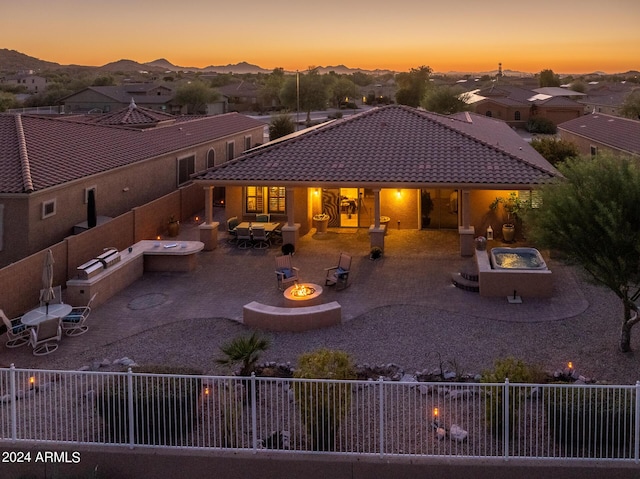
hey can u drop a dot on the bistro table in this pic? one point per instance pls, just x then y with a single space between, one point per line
38 315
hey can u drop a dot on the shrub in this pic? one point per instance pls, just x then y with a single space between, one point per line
517 372
541 125
324 404
164 409
375 253
600 422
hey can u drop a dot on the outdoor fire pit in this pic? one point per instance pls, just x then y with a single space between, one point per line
302 294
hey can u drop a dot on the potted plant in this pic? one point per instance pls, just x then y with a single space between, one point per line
174 226
375 253
514 208
322 221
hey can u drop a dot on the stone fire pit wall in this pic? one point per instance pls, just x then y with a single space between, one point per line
502 282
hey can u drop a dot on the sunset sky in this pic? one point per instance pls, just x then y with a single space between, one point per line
567 36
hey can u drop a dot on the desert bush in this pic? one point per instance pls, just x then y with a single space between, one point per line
542 126
164 409
323 405
516 371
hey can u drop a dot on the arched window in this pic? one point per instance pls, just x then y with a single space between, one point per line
488 113
516 115
211 158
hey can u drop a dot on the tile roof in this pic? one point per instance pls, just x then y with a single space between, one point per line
616 132
124 93
134 116
394 146
57 151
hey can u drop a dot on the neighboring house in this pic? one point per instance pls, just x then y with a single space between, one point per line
597 132
129 158
417 169
516 106
241 96
105 99
606 98
33 83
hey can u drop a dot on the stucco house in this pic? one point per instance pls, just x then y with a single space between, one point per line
33 83
600 132
105 99
128 158
516 106
393 166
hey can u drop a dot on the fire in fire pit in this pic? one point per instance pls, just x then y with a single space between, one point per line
302 290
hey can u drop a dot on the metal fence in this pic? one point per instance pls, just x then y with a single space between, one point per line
382 418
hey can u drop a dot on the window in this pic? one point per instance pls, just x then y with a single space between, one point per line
277 203
86 193
211 158
594 151
530 197
247 143
254 199
516 116
230 150
186 167
48 208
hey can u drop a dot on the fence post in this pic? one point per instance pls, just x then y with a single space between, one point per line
505 419
254 427
130 408
637 431
381 415
14 405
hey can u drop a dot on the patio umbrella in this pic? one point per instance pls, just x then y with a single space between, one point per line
92 217
47 292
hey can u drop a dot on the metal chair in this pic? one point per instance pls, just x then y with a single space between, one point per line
17 333
263 218
243 238
74 323
45 336
286 273
338 276
260 237
232 223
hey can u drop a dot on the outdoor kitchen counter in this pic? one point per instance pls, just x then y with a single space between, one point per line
145 255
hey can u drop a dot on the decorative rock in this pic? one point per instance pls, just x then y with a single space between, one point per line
461 394
84 368
441 433
105 362
408 378
457 433
449 375
5 398
425 389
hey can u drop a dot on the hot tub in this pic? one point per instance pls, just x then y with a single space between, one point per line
517 258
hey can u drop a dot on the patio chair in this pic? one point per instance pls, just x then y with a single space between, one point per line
276 235
263 218
17 333
261 238
338 276
243 236
286 273
45 336
74 323
231 229
57 296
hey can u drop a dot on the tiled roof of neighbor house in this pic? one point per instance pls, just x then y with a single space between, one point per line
393 146
124 93
616 132
134 116
41 152
558 91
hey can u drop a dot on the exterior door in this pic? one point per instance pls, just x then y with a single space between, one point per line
439 208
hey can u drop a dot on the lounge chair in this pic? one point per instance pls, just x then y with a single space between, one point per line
74 323
45 336
286 273
17 333
338 276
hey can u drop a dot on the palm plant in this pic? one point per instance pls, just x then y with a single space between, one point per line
245 350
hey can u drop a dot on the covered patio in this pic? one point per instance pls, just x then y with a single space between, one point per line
390 167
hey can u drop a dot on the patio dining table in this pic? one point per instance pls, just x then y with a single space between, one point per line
39 314
268 227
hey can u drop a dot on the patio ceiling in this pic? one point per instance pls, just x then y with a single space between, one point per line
393 147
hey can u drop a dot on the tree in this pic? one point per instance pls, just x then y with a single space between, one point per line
445 100
631 106
7 100
106 80
412 85
578 86
195 96
281 125
245 350
548 78
269 94
554 150
310 90
340 89
593 218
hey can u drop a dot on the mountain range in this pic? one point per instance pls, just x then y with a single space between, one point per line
12 61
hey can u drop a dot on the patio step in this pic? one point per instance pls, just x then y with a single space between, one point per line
459 281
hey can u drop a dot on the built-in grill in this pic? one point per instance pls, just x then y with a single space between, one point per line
92 267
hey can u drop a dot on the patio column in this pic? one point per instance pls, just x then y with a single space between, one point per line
209 229
466 230
290 231
376 230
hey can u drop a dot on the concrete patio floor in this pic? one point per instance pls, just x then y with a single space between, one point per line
401 309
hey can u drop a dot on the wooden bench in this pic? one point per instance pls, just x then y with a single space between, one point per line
275 318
